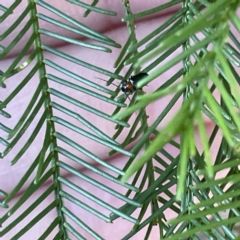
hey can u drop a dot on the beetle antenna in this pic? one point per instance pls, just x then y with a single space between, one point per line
107 81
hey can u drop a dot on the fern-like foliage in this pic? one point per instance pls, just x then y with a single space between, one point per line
67 177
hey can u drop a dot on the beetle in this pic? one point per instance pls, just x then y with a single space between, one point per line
130 86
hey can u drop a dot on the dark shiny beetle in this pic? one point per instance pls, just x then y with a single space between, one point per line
129 86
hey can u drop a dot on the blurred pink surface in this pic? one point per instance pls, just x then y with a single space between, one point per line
115 29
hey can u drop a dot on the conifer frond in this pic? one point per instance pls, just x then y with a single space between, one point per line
169 174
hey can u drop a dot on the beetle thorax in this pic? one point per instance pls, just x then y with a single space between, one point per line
128 87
